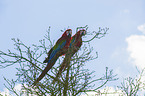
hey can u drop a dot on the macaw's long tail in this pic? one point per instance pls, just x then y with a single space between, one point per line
47 68
64 65
62 68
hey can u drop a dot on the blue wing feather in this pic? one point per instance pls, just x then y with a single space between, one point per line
59 47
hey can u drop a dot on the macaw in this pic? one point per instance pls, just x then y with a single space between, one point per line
55 52
75 45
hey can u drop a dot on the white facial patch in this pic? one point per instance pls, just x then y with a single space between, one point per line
69 32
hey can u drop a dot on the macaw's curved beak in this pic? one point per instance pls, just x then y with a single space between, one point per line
83 33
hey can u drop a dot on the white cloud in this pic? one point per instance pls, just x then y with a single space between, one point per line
90 94
6 92
136 48
107 91
141 28
19 90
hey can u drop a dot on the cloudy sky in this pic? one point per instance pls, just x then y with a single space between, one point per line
122 49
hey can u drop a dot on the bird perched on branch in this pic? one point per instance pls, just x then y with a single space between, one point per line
75 45
60 48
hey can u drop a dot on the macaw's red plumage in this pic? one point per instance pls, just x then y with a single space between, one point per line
60 48
75 45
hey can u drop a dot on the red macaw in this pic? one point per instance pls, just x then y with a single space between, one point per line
75 45
55 52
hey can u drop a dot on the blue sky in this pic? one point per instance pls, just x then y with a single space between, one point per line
29 20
